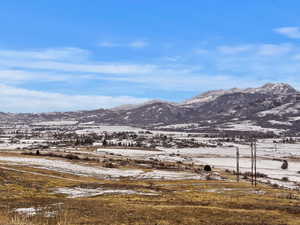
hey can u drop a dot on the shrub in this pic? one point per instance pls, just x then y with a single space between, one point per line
207 168
71 156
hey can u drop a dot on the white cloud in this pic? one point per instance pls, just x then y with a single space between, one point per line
296 57
108 44
41 66
272 49
138 44
234 49
291 32
178 82
16 76
14 99
68 60
107 68
46 54
266 62
171 58
201 51
133 44
241 66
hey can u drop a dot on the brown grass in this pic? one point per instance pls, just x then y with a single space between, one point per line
184 202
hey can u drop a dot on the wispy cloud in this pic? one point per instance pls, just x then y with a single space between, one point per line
109 44
13 99
67 53
133 44
188 83
201 51
290 32
223 66
67 60
260 62
15 76
259 49
234 49
272 49
90 67
138 44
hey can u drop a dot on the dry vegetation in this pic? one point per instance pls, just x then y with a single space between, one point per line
178 202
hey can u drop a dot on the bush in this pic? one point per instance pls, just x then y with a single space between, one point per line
71 156
109 165
207 168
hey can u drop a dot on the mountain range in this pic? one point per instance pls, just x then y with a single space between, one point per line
273 107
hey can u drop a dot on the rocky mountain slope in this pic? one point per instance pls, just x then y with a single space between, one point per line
274 107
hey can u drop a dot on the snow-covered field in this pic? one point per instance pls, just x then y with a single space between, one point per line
265 148
250 126
103 128
272 168
97 171
181 125
56 123
224 157
8 146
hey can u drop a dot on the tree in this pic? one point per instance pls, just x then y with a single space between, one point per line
104 143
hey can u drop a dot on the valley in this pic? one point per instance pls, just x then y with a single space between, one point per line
73 168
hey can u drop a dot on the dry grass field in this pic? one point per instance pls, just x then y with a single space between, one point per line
154 202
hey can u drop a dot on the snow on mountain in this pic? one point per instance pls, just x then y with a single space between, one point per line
269 88
273 88
134 106
271 106
210 96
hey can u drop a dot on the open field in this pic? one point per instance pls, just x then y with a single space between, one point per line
147 177
51 194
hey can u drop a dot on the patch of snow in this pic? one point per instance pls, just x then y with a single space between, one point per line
296 118
275 122
288 108
249 126
170 175
127 152
86 192
210 96
181 125
280 183
8 146
56 123
104 128
27 211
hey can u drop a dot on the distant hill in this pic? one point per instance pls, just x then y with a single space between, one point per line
274 107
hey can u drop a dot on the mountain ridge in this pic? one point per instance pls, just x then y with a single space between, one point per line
213 110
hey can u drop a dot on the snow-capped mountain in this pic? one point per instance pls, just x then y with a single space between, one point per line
274 88
272 107
269 88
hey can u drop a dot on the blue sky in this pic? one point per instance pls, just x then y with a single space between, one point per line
73 55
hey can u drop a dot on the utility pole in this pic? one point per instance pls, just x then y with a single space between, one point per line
237 164
255 177
252 162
